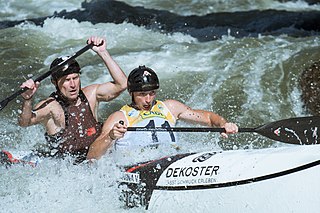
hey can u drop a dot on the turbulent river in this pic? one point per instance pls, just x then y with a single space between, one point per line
248 80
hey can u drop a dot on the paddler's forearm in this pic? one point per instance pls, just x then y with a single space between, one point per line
116 72
99 147
26 114
217 120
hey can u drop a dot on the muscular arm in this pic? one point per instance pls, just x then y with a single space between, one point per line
111 131
183 112
29 117
109 90
26 116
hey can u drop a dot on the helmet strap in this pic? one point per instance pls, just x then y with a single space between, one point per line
133 104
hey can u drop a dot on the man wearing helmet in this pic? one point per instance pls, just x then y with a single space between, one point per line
70 113
146 111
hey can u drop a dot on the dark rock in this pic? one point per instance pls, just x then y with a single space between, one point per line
207 27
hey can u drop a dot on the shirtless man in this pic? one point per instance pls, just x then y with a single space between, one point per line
70 113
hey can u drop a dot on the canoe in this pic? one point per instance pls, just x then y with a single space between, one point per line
284 179
19 157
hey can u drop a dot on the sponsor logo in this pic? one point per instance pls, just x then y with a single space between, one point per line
277 131
146 73
204 157
192 171
150 114
314 132
91 131
198 175
133 113
193 181
130 177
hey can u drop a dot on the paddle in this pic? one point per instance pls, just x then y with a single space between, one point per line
4 102
300 130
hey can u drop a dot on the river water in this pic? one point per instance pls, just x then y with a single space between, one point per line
249 81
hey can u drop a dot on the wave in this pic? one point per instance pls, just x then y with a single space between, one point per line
203 27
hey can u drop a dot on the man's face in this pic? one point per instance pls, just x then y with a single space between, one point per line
69 86
144 100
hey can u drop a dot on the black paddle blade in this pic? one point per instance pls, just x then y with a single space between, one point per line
301 130
3 104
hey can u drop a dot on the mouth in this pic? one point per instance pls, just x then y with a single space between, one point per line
73 92
146 107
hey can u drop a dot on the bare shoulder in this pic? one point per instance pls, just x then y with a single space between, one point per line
101 92
175 107
90 90
46 110
172 104
47 104
90 87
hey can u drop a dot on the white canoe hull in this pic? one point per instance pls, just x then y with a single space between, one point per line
298 192
266 180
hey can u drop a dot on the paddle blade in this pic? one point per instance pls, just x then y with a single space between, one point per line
301 130
3 104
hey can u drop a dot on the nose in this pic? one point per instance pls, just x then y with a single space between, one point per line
148 98
72 83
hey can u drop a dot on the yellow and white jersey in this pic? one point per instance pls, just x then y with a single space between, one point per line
158 116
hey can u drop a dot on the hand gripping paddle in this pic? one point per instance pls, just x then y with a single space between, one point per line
300 130
4 102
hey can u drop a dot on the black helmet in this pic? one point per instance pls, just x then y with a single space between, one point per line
71 67
142 79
